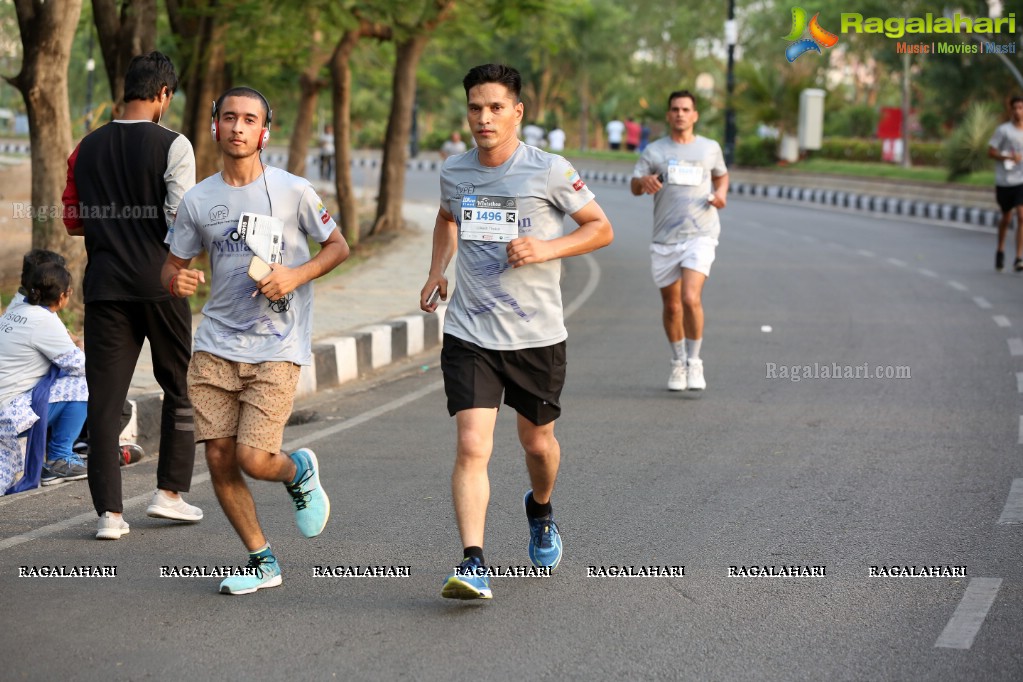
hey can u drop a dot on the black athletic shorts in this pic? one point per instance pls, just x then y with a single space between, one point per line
531 379
1009 197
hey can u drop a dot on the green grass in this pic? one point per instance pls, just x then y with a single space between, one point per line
888 171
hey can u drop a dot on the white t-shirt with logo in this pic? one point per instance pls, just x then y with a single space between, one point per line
237 326
681 208
496 306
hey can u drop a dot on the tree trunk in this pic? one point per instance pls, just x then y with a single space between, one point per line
203 73
341 101
584 109
310 83
399 125
123 35
47 30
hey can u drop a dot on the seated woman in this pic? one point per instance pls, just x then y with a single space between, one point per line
38 360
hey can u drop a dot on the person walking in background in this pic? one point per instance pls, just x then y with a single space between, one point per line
686 173
256 331
327 153
633 131
556 139
615 130
124 183
453 145
1006 148
502 208
533 135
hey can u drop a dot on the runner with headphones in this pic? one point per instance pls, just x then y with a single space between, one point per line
247 354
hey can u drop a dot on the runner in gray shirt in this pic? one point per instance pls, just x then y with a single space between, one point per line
1006 148
686 174
502 206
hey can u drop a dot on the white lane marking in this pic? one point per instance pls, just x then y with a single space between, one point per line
1019 382
1001 320
865 253
1020 441
766 328
1015 346
958 286
927 273
592 281
969 615
1013 510
982 302
896 262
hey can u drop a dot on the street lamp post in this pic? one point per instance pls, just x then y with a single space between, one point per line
731 38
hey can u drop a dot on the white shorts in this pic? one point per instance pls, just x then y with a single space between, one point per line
667 260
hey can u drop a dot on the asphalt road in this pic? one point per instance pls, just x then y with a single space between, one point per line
910 467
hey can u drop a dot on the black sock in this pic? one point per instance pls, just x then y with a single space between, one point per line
470 552
535 510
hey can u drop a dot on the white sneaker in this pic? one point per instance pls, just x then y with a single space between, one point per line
111 527
695 375
165 507
677 378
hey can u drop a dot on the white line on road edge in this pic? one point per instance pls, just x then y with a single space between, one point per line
970 614
1015 346
1021 430
865 253
897 263
927 273
982 302
958 286
593 279
1001 320
1019 382
1013 511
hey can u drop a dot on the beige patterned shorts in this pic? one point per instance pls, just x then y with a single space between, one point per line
250 402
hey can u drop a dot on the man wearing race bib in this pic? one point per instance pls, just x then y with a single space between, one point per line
502 206
686 174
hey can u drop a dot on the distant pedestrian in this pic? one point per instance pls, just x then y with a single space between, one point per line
686 173
133 162
453 145
533 135
1006 147
257 326
615 130
633 132
556 140
502 208
644 136
327 153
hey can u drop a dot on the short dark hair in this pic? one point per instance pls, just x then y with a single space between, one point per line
32 260
1014 99
681 93
49 281
494 73
245 91
147 75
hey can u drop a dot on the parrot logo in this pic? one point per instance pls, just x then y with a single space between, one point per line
818 36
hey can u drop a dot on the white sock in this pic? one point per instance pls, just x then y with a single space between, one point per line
678 348
693 348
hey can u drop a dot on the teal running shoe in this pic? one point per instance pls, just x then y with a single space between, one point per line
265 572
469 581
312 507
544 539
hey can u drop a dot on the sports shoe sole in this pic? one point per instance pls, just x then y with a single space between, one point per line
455 588
61 479
112 533
272 582
158 512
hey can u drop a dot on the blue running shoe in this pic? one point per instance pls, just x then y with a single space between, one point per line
265 572
469 581
544 539
312 507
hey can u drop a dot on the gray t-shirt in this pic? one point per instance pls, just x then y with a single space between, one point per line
681 209
1007 139
496 306
237 326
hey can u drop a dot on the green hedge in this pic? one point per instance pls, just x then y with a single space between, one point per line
756 152
860 149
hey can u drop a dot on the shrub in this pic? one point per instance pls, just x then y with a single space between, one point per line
756 152
965 151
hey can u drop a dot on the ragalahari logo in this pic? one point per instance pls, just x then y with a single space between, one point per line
818 36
